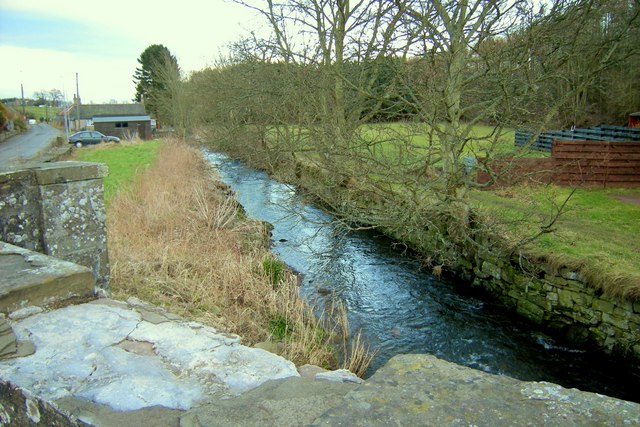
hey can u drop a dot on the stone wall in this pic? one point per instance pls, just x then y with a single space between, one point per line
563 302
58 209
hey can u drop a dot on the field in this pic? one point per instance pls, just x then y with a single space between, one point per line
406 143
597 233
36 112
416 135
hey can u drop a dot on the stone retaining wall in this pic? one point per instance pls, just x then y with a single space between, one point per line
563 302
57 209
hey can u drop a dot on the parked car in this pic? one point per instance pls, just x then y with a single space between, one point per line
87 137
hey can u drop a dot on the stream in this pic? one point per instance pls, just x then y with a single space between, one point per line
402 308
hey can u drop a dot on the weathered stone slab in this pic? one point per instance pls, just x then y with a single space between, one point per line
339 376
25 312
424 390
310 371
108 354
281 403
103 416
14 175
74 225
57 209
31 279
19 210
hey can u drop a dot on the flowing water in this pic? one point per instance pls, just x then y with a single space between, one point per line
400 307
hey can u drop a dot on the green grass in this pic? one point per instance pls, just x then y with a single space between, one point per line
280 327
123 161
38 112
275 270
414 140
401 144
597 234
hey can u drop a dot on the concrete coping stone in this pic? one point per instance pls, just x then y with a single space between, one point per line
12 174
68 171
34 279
55 172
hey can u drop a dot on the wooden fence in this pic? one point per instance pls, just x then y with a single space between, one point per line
574 163
601 164
544 142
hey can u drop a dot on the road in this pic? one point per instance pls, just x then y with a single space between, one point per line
27 145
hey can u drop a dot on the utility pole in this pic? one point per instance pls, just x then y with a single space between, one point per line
77 104
23 109
65 109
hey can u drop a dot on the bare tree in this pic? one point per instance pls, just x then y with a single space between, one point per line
56 96
171 103
443 66
328 37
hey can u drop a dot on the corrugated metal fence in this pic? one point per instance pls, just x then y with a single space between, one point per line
544 142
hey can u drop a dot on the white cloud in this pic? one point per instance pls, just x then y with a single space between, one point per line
193 30
100 79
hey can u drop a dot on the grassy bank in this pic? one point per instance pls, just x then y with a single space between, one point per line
399 144
125 160
597 233
177 239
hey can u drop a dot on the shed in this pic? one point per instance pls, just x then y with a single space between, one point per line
124 126
87 112
634 120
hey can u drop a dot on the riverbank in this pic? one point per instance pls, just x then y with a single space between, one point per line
563 299
178 239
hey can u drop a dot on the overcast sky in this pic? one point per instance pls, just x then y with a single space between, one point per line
43 43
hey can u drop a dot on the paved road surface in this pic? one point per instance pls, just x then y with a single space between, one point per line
27 145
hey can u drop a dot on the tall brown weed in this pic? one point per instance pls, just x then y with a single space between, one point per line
177 239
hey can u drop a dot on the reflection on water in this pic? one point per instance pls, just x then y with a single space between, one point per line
402 309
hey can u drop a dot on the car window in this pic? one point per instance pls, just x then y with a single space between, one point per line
96 135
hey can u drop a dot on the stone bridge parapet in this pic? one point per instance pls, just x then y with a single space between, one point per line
58 209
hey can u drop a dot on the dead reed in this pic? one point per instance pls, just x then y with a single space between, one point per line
177 239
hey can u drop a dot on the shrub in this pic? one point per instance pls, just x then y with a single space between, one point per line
275 270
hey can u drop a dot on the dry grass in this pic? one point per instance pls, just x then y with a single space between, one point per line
357 355
177 239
